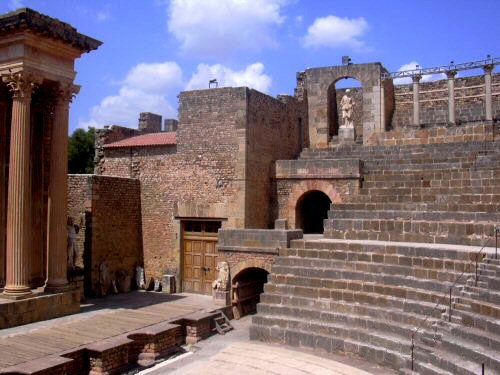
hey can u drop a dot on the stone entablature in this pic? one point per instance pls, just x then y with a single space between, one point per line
319 168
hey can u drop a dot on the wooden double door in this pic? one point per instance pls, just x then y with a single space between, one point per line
199 255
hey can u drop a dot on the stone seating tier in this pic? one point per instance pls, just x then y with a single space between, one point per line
367 298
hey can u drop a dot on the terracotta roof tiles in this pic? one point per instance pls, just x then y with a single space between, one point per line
145 140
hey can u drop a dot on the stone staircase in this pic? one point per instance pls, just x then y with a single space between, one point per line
368 298
383 271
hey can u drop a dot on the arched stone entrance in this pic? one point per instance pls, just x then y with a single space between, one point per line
247 286
377 111
311 210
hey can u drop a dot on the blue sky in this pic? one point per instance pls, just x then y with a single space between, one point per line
155 48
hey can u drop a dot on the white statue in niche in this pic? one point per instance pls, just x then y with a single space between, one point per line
222 282
347 105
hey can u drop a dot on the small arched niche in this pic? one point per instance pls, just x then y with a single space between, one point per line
311 210
334 111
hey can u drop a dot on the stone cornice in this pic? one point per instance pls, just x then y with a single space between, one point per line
26 19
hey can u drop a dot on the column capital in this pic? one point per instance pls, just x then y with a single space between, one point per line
488 68
451 74
22 83
416 78
65 92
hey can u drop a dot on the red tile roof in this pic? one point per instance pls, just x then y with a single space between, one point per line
145 140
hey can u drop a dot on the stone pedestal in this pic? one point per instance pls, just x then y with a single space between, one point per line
347 135
221 298
168 284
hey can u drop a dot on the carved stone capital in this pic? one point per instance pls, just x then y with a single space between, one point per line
451 74
488 68
416 78
21 84
65 92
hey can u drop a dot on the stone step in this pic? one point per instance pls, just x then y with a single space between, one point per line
419 206
445 232
429 369
430 198
343 325
482 294
430 191
480 337
402 266
450 362
322 247
309 276
392 314
428 165
336 213
429 182
487 309
475 177
320 340
477 321
350 292
471 350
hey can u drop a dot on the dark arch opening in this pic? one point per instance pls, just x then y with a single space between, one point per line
247 287
334 114
312 208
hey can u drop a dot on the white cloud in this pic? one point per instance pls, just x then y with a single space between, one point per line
102 15
252 76
216 28
16 4
146 88
412 66
336 32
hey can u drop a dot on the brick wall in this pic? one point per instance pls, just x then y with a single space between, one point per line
109 212
433 98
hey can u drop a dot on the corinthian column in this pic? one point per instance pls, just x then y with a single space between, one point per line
57 280
416 105
19 194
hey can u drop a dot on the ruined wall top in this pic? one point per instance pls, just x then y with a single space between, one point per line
26 19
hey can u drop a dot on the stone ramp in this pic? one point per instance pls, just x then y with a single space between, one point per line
36 346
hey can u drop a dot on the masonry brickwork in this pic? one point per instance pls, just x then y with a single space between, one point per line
108 210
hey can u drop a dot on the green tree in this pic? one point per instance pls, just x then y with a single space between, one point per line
81 151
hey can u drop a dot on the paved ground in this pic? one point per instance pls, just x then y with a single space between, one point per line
99 319
234 353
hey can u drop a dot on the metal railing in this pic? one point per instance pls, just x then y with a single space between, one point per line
440 302
442 69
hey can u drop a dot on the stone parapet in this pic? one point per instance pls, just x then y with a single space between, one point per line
257 238
319 168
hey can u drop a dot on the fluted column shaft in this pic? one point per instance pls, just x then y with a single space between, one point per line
416 104
487 92
19 193
58 191
451 95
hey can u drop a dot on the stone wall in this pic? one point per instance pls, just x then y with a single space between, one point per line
108 209
110 134
271 123
440 134
433 99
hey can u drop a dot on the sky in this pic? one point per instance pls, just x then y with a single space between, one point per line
153 49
